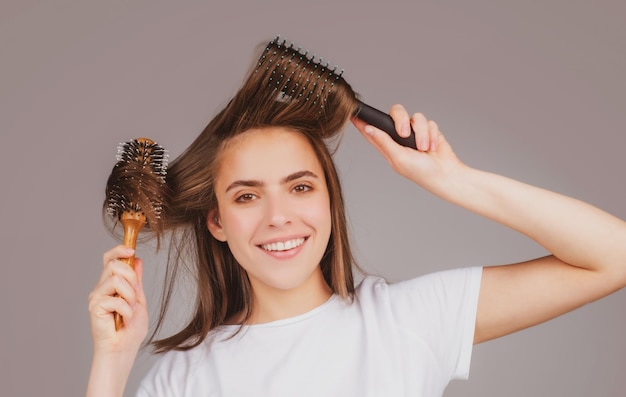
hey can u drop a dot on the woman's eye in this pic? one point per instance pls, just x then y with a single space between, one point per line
302 188
245 197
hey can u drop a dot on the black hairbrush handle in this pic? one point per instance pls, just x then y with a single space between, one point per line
383 121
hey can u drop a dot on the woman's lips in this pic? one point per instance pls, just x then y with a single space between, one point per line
283 245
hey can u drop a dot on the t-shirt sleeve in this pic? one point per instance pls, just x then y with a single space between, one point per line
440 308
155 383
166 377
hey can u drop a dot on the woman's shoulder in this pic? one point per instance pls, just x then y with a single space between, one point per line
172 369
429 287
449 276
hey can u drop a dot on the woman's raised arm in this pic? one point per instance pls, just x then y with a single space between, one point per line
588 245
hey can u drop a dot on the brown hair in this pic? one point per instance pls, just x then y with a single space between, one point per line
223 288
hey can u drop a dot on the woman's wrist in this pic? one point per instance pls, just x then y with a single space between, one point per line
109 373
450 184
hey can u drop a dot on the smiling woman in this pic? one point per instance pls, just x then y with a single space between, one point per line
219 177
259 205
273 211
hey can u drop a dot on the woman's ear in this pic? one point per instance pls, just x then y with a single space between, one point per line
214 225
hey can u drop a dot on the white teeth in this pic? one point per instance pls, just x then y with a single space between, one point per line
283 245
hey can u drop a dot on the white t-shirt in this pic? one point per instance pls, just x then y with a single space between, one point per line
402 339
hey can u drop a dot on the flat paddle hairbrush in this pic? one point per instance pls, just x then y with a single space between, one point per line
295 76
135 192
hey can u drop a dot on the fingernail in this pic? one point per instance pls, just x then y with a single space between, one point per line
433 146
406 130
129 250
369 130
423 146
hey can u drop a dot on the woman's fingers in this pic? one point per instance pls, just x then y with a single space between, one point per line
422 135
114 293
118 289
118 252
376 137
401 120
112 262
434 135
104 306
426 131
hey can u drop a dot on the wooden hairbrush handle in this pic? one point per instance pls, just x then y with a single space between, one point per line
132 222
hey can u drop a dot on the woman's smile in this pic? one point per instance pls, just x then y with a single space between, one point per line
281 246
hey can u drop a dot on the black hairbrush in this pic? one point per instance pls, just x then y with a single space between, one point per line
136 190
296 76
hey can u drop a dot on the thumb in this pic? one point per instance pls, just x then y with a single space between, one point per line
381 141
371 133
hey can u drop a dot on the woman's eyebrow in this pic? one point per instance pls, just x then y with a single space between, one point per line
298 175
256 183
246 183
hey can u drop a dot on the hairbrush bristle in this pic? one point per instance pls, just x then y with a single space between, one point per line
137 182
288 88
145 152
293 75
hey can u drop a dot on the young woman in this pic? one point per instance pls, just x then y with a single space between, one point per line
257 200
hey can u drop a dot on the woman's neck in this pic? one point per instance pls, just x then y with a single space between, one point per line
271 304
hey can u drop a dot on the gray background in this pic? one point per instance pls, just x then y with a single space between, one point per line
533 90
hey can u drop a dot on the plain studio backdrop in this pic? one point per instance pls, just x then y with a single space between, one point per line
532 90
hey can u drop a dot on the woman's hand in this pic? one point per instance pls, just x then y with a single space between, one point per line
426 166
119 290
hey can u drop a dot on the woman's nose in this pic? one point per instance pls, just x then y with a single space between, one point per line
278 211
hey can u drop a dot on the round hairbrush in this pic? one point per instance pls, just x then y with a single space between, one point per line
135 192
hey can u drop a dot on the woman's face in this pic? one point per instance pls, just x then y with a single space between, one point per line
274 208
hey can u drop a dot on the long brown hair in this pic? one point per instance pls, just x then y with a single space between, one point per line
222 285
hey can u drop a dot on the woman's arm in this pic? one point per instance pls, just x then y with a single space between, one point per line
588 249
118 290
588 246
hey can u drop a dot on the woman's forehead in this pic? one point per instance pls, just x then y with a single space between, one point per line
271 152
